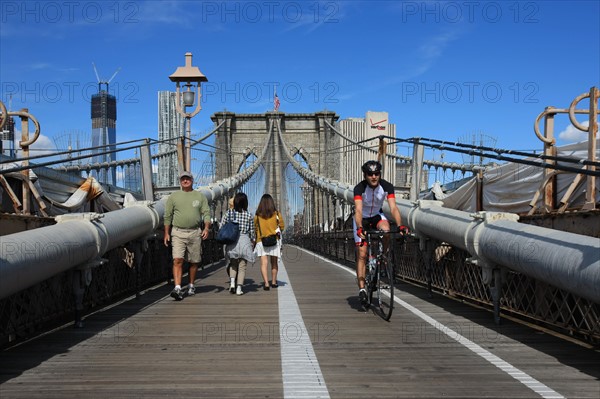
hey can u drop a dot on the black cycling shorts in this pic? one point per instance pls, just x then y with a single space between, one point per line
371 223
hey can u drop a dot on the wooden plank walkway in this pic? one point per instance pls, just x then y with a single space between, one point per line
308 338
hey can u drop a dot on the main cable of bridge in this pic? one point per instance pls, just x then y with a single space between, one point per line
148 141
541 164
50 163
498 156
557 158
442 145
80 150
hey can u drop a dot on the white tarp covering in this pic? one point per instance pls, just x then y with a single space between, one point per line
511 187
88 191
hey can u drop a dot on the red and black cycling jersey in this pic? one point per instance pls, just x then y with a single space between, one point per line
373 197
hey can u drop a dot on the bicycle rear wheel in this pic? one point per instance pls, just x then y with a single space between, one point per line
385 288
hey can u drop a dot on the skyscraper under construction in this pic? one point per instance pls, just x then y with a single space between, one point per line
104 133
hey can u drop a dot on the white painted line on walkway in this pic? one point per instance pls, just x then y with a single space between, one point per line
301 373
530 382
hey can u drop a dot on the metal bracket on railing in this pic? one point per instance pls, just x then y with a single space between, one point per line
82 278
148 205
481 220
493 276
426 204
419 205
427 247
138 203
93 263
489 217
89 216
100 233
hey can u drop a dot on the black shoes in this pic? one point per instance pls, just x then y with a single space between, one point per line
362 295
177 294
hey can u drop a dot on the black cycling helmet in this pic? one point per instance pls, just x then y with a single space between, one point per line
371 166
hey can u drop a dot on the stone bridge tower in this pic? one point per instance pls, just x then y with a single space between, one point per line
307 134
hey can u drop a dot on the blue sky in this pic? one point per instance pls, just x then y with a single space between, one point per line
443 70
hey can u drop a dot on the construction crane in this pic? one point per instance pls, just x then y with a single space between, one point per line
104 82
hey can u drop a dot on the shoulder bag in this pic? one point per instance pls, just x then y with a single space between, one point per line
229 233
267 241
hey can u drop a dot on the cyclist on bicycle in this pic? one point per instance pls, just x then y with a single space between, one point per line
369 196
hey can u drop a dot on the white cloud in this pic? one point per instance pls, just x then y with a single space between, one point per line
573 135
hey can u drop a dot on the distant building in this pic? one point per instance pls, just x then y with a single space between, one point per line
104 134
132 178
7 138
375 124
170 127
359 129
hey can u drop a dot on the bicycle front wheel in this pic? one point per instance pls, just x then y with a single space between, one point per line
385 288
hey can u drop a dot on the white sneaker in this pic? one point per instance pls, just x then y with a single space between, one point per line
239 291
192 291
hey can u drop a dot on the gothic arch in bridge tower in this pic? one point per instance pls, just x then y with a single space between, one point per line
249 153
308 135
300 151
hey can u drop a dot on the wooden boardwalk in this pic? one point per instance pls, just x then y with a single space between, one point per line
308 338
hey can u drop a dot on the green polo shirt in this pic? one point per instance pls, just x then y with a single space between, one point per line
186 209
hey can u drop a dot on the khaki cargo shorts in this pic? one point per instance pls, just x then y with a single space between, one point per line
187 242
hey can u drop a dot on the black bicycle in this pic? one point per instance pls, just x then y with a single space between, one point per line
380 273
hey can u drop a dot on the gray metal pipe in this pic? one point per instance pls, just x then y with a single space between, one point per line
32 256
564 260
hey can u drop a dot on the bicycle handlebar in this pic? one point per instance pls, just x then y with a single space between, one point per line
398 230
381 231
391 231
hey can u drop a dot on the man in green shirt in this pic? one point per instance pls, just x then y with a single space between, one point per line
184 212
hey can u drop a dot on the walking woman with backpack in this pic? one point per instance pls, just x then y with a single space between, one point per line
241 252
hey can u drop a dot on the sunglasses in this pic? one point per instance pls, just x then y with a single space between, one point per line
373 173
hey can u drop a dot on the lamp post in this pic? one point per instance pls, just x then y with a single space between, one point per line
191 77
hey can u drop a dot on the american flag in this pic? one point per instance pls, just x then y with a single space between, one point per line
276 102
